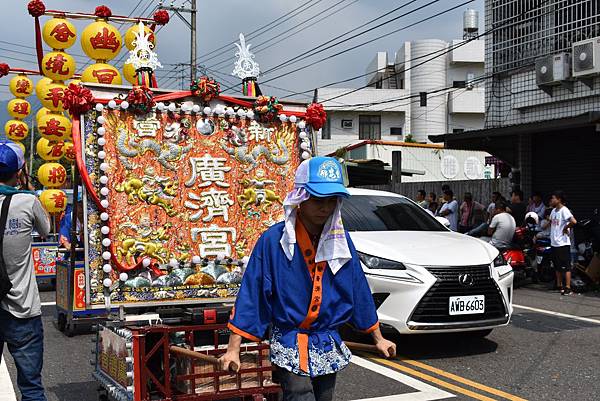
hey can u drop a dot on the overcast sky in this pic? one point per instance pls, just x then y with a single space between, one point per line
220 22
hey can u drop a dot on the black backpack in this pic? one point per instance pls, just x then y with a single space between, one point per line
5 284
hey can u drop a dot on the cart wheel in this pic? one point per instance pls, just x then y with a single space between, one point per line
70 330
61 322
102 395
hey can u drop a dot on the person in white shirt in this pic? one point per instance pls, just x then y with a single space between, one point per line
502 227
561 222
449 209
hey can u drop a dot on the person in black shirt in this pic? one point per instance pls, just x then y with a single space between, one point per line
517 207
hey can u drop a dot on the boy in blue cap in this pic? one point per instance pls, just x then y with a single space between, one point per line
20 310
303 281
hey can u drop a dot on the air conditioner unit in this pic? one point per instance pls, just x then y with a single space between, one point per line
586 57
553 69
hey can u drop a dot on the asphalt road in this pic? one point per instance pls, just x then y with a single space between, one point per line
539 356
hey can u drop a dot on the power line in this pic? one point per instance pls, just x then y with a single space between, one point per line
257 30
316 51
371 40
450 48
301 23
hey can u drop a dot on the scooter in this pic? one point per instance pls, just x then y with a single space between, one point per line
516 253
544 265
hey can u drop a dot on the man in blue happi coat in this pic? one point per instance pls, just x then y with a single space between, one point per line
303 281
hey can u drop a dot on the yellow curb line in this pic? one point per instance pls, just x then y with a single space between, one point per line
462 380
432 379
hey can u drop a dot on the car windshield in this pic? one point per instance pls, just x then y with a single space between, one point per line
386 213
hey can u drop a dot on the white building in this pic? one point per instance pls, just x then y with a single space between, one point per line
425 161
390 107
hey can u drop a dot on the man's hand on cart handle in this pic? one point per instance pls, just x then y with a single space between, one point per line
231 359
382 346
385 347
232 365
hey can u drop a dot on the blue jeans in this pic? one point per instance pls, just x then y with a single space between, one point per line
25 341
304 388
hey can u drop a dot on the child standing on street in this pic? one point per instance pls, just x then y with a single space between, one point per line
561 220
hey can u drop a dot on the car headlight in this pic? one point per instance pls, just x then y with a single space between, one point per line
500 261
374 262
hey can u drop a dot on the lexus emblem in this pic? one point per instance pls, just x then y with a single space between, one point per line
466 280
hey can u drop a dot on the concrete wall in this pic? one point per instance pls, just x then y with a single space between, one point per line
428 159
472 52
341 137
466 121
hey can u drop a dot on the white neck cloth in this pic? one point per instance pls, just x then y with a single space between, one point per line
333 246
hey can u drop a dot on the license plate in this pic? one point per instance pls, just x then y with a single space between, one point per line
467 305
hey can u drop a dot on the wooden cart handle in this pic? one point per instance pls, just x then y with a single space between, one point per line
203 357
362 347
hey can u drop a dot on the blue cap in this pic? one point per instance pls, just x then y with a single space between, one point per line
321 177
11 157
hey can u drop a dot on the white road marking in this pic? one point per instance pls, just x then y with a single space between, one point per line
48 303
553 313
7 393
426 392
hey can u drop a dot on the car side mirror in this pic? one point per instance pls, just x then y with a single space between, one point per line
443 221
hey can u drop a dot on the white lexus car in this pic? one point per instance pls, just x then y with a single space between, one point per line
425 278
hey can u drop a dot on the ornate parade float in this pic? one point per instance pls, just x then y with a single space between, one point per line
177 188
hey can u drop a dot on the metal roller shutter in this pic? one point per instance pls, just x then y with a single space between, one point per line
570 161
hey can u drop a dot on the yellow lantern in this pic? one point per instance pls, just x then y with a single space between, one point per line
130 36
74 81
20 86
101 41
50 151
54 127
41 85
42 112
16 130
52 175
58 33
129 73
52 96
101 73
21 146
58 66
18 108
53 200
69 152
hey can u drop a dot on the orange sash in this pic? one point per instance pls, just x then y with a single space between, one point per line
316 271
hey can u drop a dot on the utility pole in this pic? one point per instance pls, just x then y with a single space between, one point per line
191 24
